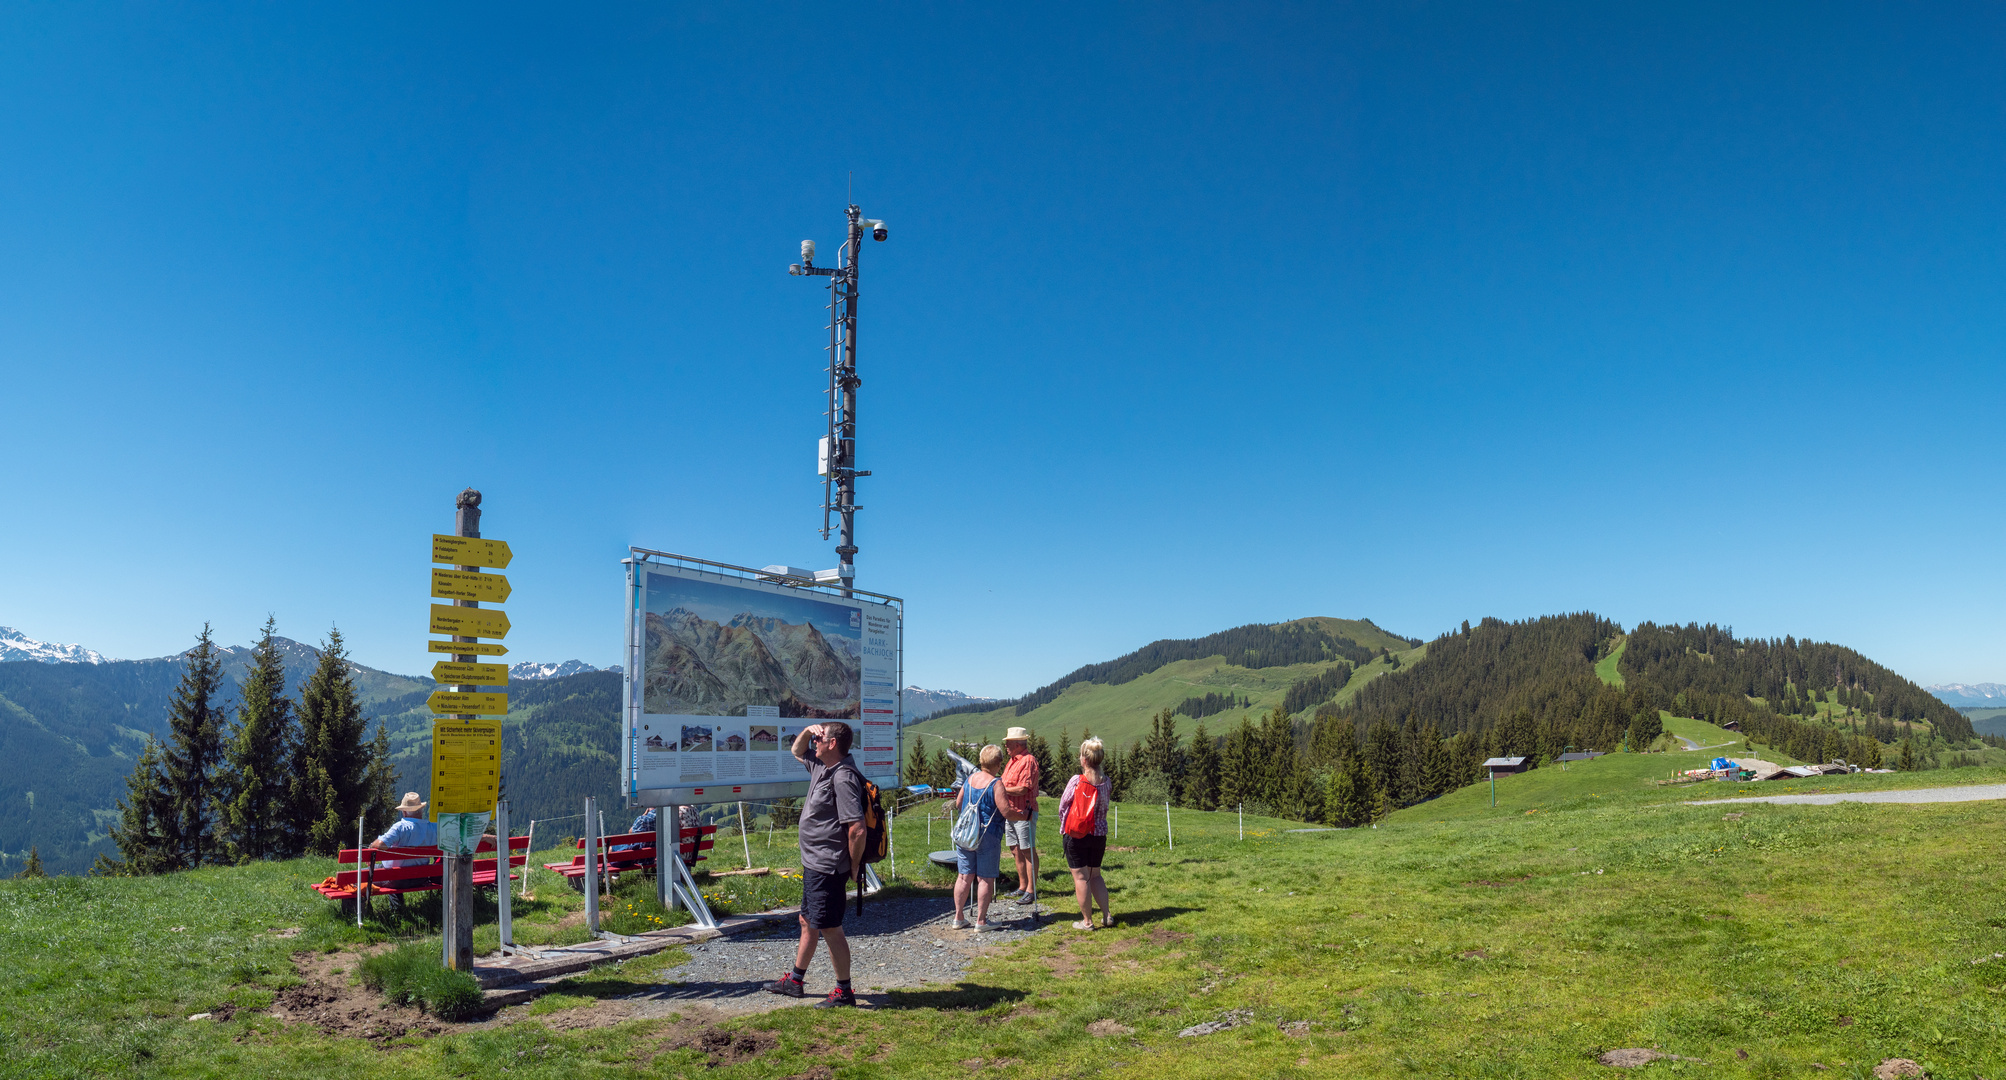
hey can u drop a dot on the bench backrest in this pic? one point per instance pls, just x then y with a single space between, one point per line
373 855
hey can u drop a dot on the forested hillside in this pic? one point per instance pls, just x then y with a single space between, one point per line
70 733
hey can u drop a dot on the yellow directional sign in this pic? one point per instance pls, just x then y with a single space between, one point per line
468 551
467 585
465 648
466 766
452 674
469 622
449 701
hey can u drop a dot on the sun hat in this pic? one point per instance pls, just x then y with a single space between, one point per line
1017 734
412 803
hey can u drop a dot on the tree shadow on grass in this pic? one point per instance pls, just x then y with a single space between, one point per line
963 996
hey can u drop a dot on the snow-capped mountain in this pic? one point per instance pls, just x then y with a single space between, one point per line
530 669
14 645
921 703
1984 695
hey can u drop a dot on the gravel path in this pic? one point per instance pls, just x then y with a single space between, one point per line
1969 793
896 944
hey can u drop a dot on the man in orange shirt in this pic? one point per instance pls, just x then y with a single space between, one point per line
1020 812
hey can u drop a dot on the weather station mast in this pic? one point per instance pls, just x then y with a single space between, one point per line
836 456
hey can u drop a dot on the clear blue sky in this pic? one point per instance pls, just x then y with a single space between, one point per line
1191 317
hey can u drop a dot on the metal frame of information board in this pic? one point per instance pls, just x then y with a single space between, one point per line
630 705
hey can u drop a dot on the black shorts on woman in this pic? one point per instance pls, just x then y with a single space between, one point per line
1084 852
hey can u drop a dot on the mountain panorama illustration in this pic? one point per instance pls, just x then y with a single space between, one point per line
697 667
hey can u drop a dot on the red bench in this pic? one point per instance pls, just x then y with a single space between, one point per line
382 880
639 853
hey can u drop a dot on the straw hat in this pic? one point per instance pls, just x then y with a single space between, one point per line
1017 734
412 803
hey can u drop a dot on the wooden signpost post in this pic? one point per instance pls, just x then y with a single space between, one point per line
466 738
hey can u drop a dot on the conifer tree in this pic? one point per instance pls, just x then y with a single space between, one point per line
1067 761
34 867
1907 760
1238 778
332 761
192 759
1201 782
141 834
255 824
379 785
1348 803
1438 767
1048 770
917 765
1163 754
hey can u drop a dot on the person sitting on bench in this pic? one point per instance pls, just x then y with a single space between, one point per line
686 816
412 830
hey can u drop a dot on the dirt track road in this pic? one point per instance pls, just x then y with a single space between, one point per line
1968 793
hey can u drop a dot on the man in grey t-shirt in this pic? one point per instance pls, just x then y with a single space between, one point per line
832 854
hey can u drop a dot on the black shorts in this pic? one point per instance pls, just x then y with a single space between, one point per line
1083 852
822 898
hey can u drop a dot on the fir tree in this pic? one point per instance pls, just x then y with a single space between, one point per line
255 825
1163 754
34 867
141 834
1349 802
1238 777
1201 782
917 766
1907 760
379 785
192 759
1048 770
332 762
1068 761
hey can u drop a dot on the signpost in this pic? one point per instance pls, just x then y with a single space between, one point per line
448 671
456 585
466 740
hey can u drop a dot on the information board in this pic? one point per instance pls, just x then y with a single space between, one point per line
724 672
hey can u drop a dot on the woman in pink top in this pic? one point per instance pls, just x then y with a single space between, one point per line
1083 853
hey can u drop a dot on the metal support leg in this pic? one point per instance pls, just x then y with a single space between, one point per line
666 852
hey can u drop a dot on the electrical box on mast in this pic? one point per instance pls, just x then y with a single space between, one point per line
823 465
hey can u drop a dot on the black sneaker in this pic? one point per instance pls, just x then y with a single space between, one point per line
838 998
786 986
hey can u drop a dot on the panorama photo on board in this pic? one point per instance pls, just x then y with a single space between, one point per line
716 649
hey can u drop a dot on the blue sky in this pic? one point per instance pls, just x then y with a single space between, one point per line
1190 317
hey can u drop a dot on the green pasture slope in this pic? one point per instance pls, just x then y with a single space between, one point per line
1121 714
1589 910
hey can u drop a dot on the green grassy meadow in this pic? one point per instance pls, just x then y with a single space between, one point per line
1120 714
1589 910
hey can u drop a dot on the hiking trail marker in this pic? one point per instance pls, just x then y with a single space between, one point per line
448 671
470 551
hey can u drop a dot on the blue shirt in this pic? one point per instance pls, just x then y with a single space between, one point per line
410 832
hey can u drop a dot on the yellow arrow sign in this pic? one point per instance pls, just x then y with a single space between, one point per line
454 674
468 551
449 701
467 648
467 585
466 766
469 622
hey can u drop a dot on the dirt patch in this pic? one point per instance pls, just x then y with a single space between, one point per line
1124 849
1474 954
719 1046
1156 936
1101 1029
819 1072
1506 883
1893 1068
330 1003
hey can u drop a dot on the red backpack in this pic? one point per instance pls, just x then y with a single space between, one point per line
1084 811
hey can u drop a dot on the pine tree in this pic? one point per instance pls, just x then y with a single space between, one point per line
1438 766
191 762
1201 783
918 767
1238 777
1048 769
1067 760
1348 801
1163 754
34 867
255 825
141 834
379 785
1907 760
332 761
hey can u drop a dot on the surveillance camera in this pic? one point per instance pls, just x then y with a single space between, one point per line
878 230
808 251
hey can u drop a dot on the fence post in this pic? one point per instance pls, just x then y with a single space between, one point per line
668 837
361 882
744 839
504 854
1166 827
591 866
1243 821
528 848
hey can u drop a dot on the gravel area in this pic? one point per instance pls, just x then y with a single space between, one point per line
895 944
1968 793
